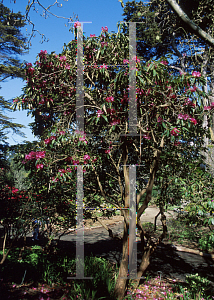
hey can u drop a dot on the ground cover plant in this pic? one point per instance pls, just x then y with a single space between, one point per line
39 275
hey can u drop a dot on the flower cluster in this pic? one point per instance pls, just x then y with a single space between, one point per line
77 24
99 113
187 117
209 107
48 140
189 102
104 29
164 62
196 74
175 132
35 155
110 99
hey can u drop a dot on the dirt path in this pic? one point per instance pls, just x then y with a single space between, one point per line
148 216
173 262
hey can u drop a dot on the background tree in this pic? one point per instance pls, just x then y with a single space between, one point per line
12 44
164 32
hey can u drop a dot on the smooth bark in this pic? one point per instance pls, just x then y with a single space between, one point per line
195 28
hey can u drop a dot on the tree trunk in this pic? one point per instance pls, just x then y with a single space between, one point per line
120 286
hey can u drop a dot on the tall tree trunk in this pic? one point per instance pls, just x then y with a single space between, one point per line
121 282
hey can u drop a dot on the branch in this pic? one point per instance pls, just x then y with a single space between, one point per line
195 28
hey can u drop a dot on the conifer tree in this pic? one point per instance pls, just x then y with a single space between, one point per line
12 44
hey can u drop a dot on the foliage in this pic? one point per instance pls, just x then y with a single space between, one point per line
169 119
55 267
12 43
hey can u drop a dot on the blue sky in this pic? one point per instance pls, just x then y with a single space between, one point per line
99 12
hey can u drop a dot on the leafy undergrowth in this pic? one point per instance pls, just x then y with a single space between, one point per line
190 236
152 289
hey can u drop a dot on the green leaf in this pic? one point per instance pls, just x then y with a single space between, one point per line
104 117
164 125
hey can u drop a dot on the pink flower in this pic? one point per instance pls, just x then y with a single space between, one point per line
86 157
63 58
82 139
177 143
77 24
42 53
207 107
40 154
67 67
212 104
110 99
47 141
196 74
180 116
185 117
193 120
104 44
188 102
114 121
193 89
107 151
99 113
104 29
146 136
55 179
92 35
62 132
30 156
76 162
160 120
39 166
126 61
175 131
62 171
110 111
164 62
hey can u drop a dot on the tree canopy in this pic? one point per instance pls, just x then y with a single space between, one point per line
12 44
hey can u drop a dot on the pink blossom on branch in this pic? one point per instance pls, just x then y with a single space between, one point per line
104 29
196 74
39 166
175 131
207 107
164 62
86 157
99 113
146 136
110 99
77 24
126 61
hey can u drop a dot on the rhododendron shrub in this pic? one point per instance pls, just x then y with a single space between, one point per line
169 117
